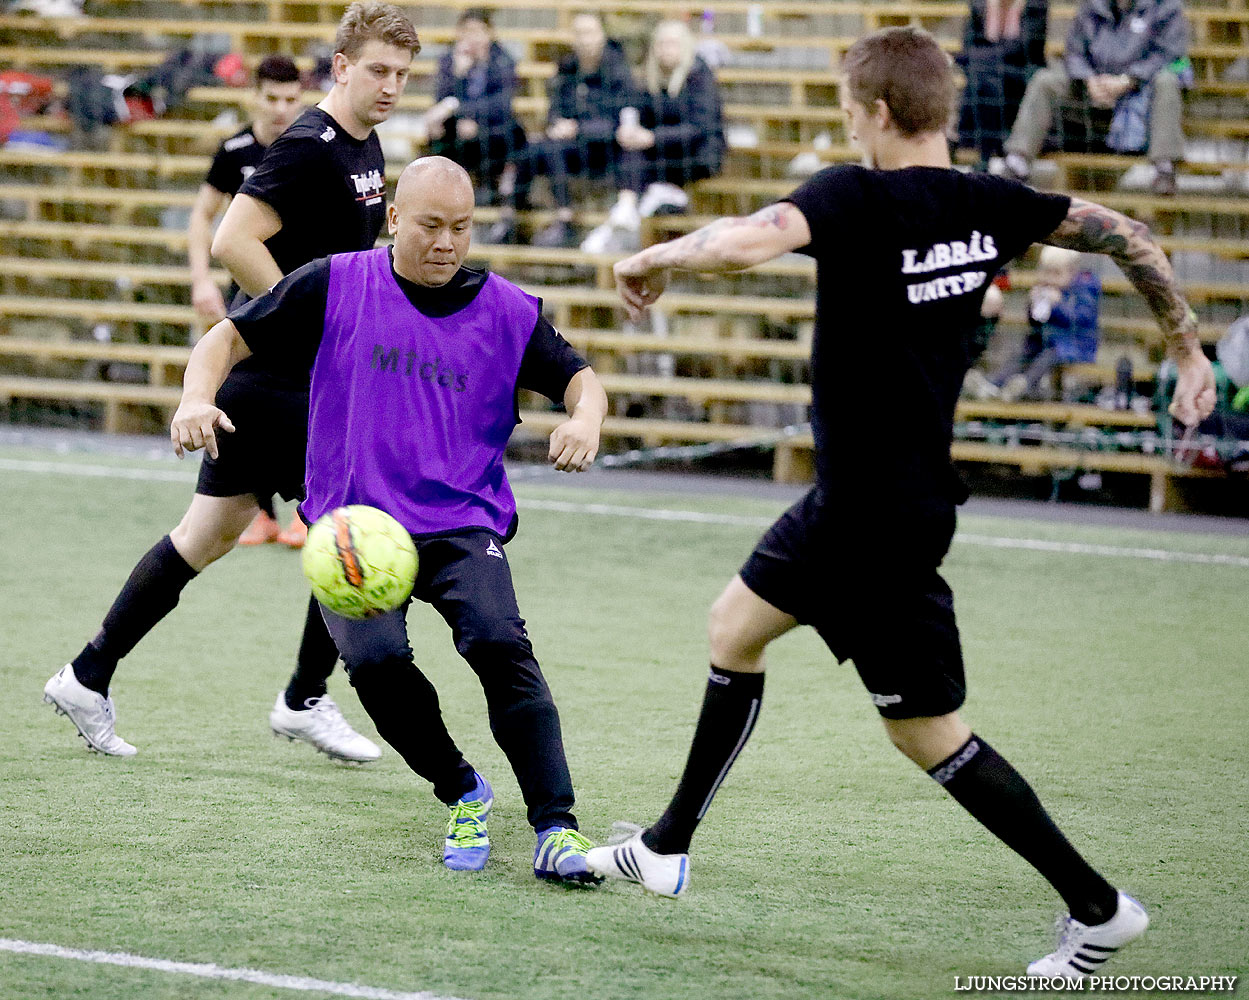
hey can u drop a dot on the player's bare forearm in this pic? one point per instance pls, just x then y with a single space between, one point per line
208 202
219 350
733 244
239 244
250 264
585 398
722 246
199 243
198 419
575 442
1094 228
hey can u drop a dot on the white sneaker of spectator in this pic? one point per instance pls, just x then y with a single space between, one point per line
625 214
662 197
624 219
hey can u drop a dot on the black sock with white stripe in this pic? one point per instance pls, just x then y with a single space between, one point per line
984 783
728 716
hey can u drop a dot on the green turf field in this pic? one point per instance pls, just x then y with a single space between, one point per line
828 867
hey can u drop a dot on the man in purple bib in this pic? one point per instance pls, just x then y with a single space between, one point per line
414 364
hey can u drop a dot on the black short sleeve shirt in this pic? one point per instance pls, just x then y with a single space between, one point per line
328 189
236 159
903 260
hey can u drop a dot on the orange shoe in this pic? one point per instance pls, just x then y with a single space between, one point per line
295 535
261 531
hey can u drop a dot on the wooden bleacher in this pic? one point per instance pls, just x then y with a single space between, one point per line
85 237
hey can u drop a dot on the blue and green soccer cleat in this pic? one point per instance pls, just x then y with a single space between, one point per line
560 857
468 845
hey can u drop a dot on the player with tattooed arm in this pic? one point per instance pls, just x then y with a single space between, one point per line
905 249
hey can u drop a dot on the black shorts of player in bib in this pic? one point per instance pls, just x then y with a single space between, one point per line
871 589
265 453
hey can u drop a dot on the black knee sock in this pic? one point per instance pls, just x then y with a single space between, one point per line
728 716
317 656
150 593
403 704
985 784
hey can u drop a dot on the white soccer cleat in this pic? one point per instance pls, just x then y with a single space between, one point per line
322 725
91 712
661 874
1083 949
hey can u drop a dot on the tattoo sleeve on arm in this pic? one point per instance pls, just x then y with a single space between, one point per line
729 244
1093 228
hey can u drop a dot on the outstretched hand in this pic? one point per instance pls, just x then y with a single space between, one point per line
574 444
639 284
1195 390
195 426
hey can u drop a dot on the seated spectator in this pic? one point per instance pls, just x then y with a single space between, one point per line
472 122
1115 73
587 94
1003 45
1062 319
975 383
675 137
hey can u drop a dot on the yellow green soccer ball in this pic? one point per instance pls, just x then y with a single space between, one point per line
360 561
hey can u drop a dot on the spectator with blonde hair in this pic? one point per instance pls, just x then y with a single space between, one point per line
674 137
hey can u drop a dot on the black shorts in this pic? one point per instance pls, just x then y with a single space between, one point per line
871 589
265 453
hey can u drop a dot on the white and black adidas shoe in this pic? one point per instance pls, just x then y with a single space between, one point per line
631 860
1082 950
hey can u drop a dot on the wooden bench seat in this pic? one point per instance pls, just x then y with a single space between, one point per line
96 311
123 403
792 463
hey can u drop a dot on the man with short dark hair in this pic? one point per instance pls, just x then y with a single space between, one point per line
319 189
905 250
274 106
415 363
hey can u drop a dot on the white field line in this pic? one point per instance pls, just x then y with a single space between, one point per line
98 471
209 970
690 517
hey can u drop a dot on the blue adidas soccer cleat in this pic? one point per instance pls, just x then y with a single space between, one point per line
560 857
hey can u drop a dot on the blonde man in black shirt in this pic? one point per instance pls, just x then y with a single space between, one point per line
905 246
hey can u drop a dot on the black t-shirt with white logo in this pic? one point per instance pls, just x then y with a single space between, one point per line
237 159
328 189
903 261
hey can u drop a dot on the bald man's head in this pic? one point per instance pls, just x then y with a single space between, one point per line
431 220
432 173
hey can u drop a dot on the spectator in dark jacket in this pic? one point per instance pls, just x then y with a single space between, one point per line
1003 45
674 137
473 123
1116 62
592 86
